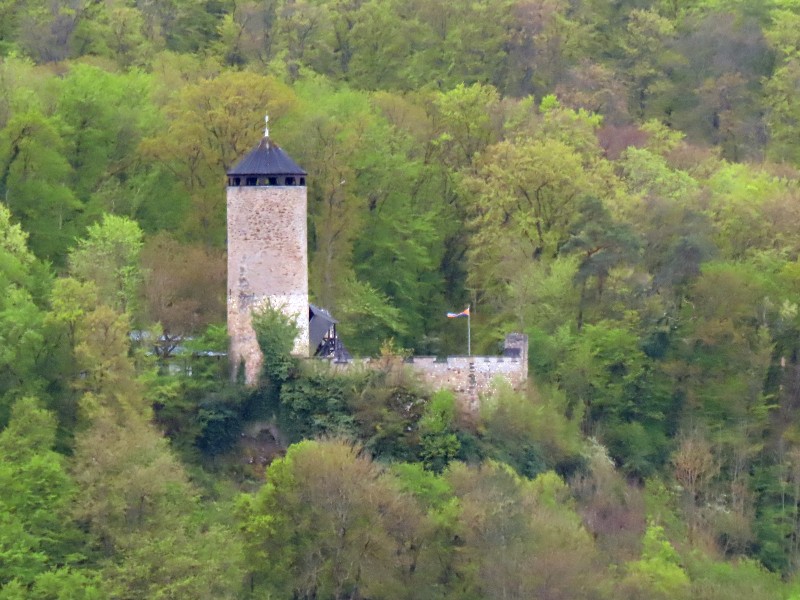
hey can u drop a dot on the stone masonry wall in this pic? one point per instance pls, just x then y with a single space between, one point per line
267 262
470 377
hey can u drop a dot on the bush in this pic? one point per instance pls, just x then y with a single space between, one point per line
315 403
276 332
532 434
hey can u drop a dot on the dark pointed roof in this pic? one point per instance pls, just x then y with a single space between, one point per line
319 323
267 159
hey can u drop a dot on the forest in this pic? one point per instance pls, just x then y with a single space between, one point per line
618 180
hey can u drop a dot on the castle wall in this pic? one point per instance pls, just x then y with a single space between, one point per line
267 262
470 377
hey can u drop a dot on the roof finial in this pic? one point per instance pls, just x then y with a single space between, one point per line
266 126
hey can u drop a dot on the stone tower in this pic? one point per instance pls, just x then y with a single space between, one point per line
267 249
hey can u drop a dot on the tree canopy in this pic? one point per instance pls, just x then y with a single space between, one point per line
619 181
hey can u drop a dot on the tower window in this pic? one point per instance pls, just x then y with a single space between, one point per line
290 181
251 181
302 181
272 181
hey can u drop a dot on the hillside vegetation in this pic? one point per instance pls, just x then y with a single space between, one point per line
618 180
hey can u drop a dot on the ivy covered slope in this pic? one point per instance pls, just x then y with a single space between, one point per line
619 181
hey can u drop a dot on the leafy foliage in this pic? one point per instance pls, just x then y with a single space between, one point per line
276 332
617 180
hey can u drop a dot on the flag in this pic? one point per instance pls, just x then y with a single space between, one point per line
463 313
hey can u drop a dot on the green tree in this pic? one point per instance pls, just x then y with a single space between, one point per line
117 32
26 350
464 116
602 245
722 365
649 175
717 580
401 245
528 192
543 295
247 33
532 434
211 124
389 407
105 116
368 206
37 535
34 181
522 538
303 31
323 526
137 503
109 258
276 332
376 52
741 202
317 403
647 55
433 553
658 573
134 497
53 32
438 441
609 375
441 51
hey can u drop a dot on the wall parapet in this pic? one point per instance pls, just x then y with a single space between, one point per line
470 377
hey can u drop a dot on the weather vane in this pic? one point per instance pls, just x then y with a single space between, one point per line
266 126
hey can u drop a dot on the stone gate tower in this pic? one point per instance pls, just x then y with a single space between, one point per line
267 249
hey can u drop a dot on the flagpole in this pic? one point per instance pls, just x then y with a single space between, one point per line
469 332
